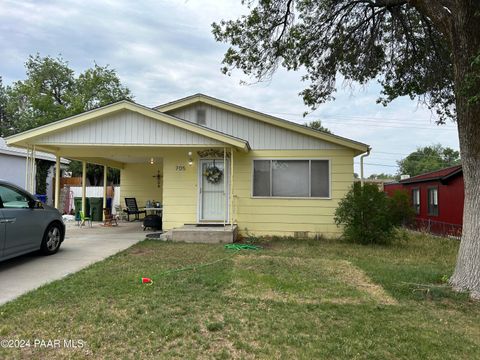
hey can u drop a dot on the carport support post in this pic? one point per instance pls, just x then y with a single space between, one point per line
105 172
225 172
231 189
84 187
57 181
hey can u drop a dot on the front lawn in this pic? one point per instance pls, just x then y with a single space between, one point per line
292 299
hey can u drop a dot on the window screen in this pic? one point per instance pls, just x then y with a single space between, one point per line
416 200
291 178
261 178
433 202
320 178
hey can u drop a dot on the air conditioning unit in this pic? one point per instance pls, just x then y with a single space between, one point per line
404 177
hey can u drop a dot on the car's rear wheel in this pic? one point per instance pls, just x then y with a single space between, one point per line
52 239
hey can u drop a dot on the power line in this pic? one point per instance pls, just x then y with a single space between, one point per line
416 156
386 165
387 122
355 117
383 121
346 116
412 153
345 122
394 126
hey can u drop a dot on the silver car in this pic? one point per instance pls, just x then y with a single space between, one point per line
26 224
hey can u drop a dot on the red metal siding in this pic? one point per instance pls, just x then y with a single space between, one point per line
450 199
391 188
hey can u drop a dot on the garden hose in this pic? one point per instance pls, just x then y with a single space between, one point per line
235 247
238 247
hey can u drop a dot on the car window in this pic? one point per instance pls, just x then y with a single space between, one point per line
12 198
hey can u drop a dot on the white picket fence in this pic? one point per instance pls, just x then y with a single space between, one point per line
95 191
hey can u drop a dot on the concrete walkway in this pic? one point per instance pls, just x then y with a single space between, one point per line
82 247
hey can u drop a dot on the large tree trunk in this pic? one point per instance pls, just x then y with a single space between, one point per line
465 40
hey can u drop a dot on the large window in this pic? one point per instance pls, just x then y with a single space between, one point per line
416 200
291 178
433 201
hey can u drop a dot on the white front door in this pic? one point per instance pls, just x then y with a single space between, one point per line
213 196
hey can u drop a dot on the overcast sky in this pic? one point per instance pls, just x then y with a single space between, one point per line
164 50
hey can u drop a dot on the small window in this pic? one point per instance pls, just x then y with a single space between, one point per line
291 178
416 200
320 182
261 178
433 201
12 198
201 117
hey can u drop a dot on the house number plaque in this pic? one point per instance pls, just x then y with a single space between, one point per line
181 168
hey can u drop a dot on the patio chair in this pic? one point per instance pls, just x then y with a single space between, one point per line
119 214
84 219
132 209
109 219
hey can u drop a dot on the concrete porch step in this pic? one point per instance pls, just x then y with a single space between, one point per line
205 234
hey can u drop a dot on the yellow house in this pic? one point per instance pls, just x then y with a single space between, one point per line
211 162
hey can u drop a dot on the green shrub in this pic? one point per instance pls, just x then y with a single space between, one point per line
400 208
365 216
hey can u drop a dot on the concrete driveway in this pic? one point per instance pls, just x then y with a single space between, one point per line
82 247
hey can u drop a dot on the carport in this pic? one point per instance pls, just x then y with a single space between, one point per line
158 155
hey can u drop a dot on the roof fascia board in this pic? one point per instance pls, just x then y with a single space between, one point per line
60 124
24 137
187 125
453 174
435 178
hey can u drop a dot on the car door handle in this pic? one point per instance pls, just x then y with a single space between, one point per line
8 221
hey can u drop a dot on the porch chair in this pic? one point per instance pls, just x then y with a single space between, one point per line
84 219
119 214
109 219
132 209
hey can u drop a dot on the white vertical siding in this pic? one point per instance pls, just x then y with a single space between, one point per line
127 128
260 135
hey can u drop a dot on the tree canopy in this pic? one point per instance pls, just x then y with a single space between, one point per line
428 158
52 92
360 40
4 122
317 125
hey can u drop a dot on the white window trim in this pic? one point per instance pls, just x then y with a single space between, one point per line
417 192
435 188
309 182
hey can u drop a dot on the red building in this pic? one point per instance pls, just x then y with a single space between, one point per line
437 197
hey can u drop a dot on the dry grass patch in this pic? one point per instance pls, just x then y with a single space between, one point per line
324 304
351 274
303 281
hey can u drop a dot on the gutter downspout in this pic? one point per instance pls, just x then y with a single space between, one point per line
361 164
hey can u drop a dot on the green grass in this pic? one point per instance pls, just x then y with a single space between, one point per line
293 299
